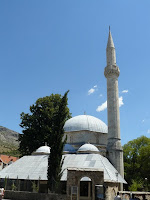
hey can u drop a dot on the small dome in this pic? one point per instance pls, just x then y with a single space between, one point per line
69 148
85 122
88 148
42 150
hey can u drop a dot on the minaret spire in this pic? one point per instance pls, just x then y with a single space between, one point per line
111 72
110 50
110 42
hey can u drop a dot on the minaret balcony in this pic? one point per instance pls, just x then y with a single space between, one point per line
111 70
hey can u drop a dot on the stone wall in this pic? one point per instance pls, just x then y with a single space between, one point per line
111 190
74 176
77 138
17 195
139 195
110 193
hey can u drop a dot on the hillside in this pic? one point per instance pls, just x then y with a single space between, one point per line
8 141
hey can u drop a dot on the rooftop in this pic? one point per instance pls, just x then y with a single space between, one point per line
34 167
88 148
42 150
85 122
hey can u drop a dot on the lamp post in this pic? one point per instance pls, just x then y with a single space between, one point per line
146 184
116 176
117 180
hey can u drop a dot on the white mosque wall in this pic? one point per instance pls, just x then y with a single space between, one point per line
77 138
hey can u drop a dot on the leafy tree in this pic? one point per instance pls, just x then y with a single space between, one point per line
39 126
137 163
136 185
55 158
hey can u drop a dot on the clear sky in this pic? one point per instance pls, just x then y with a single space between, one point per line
51 46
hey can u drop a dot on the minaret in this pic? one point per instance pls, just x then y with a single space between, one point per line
111 72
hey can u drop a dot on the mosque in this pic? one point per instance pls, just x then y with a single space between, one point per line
93 156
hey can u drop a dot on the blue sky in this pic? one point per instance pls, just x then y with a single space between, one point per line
52 46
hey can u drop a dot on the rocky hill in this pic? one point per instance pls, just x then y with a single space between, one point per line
8 141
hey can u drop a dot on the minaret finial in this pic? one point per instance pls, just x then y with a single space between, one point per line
109 28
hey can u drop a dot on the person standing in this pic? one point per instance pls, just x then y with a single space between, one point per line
117 197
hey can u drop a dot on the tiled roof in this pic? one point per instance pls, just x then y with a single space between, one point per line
6 159
34 167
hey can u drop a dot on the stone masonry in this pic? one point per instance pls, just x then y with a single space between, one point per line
114 148
74 176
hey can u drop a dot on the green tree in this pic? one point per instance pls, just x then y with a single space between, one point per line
55 158
136 185
39 125
137 163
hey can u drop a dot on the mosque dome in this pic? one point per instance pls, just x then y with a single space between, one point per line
42 150
88 148
86 123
